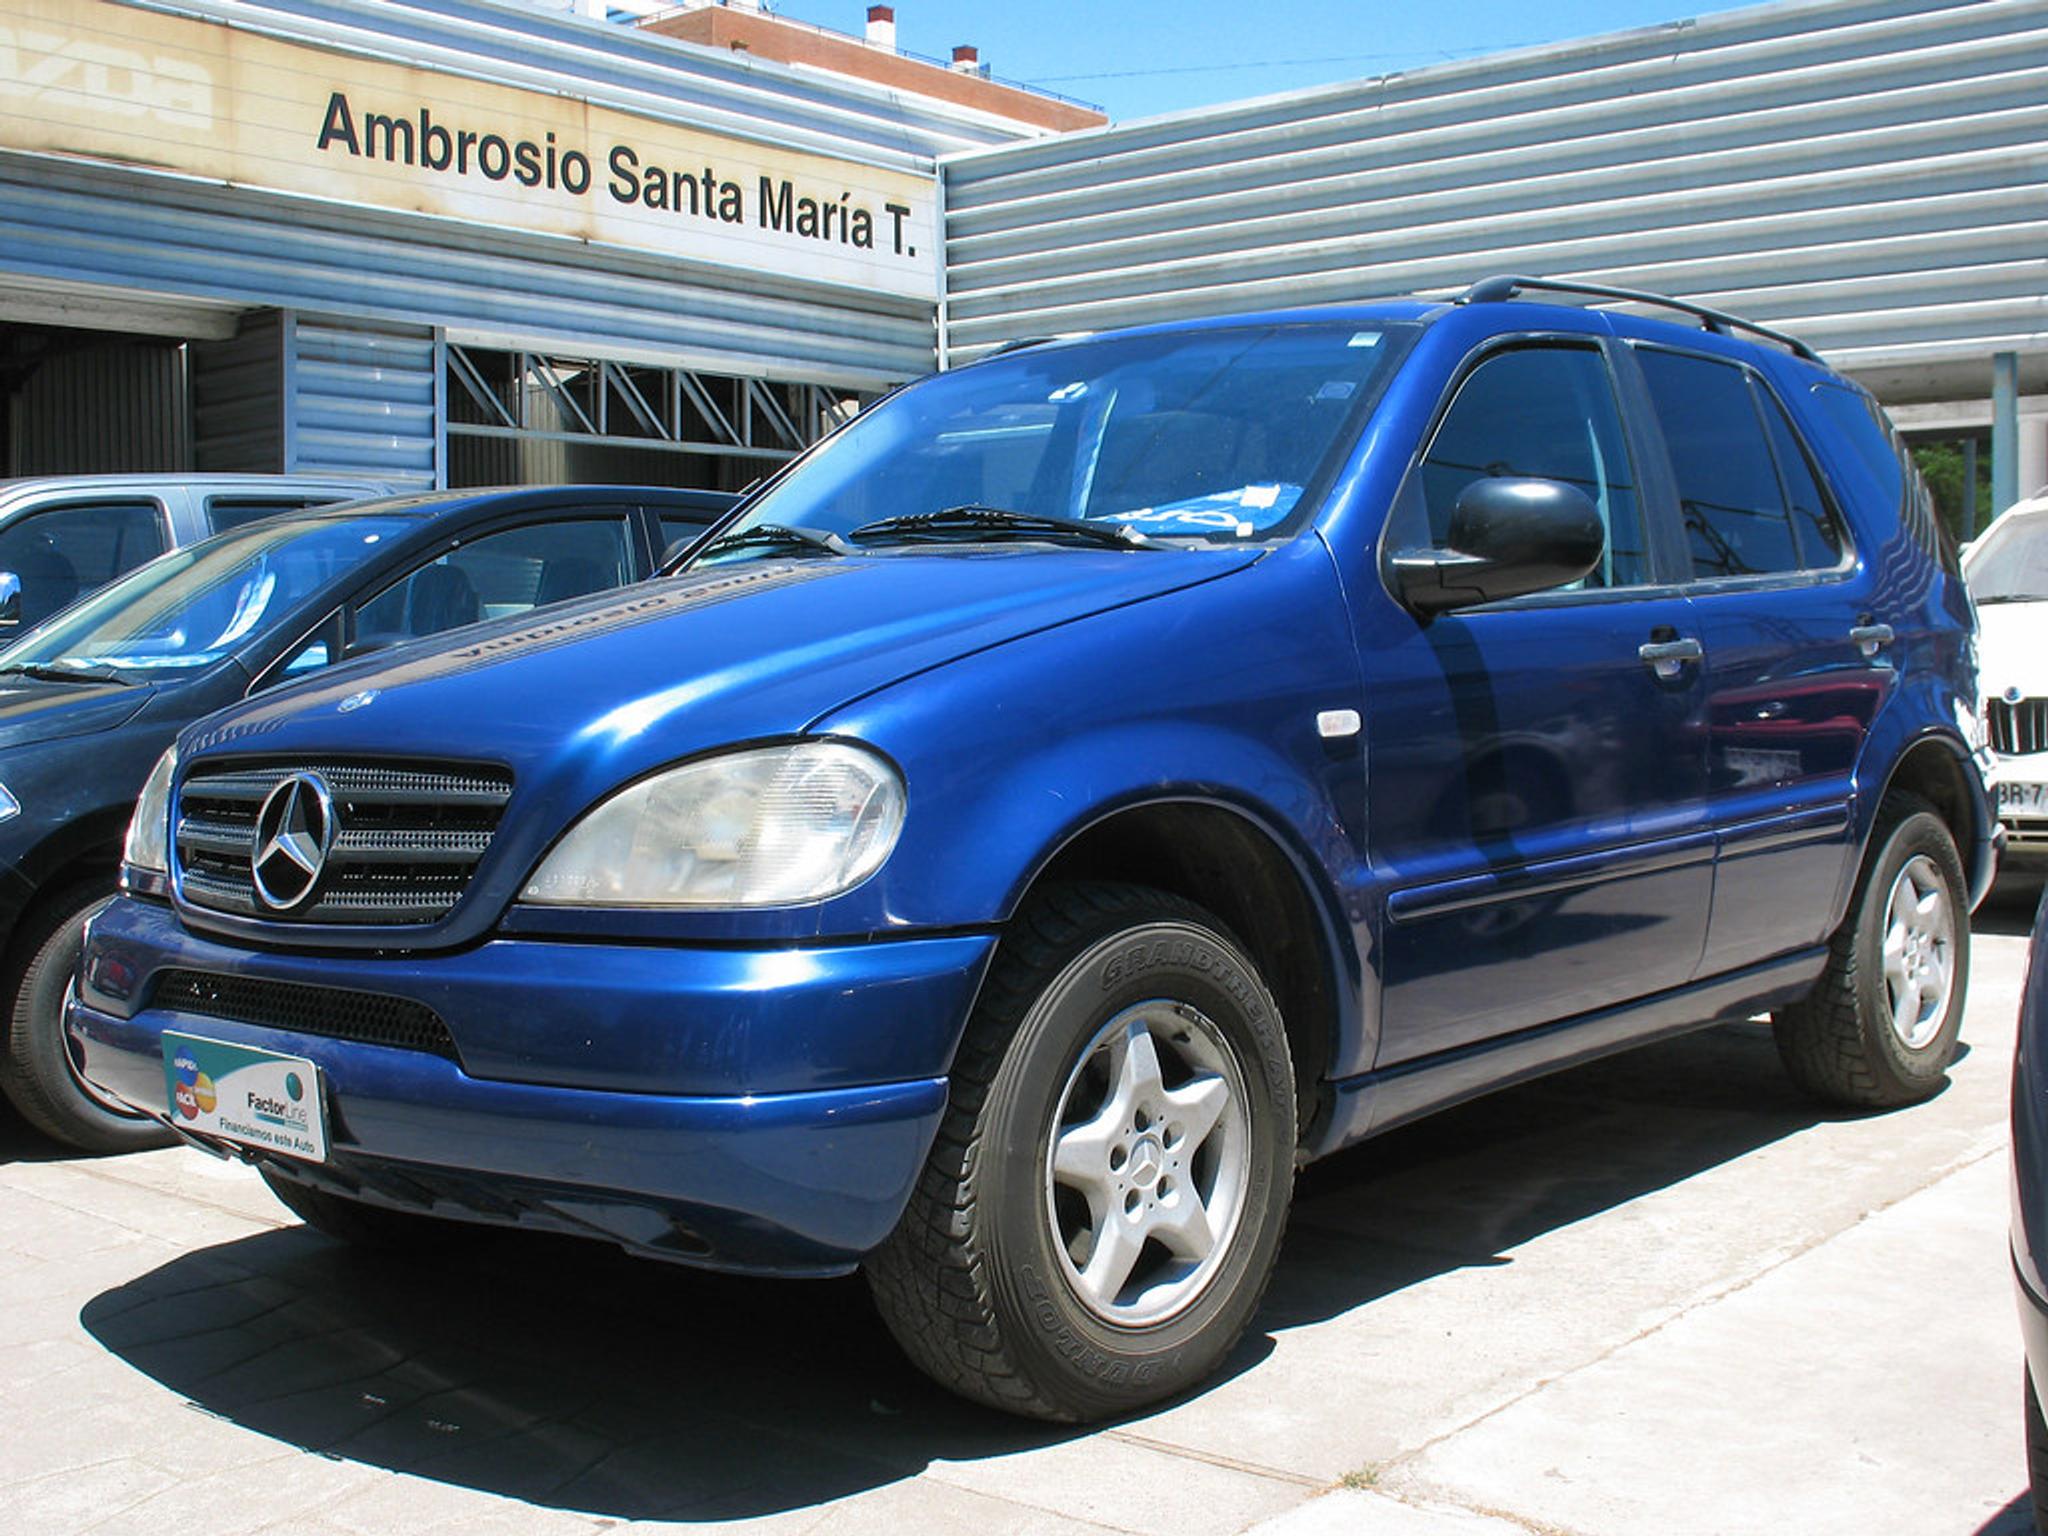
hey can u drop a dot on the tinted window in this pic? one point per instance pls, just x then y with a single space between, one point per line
225 512
1819 536
498 575
65 552
676 529
1886 475
1736 520
1548 413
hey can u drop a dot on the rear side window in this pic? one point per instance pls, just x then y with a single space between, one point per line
1752 506
1547 413
1884 466
225 512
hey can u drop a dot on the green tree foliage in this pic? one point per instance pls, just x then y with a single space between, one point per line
1942 464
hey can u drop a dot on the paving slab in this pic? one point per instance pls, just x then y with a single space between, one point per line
1660 1294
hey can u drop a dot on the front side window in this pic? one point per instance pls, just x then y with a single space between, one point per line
63 553
1545 413
498 575
1751 502
1200 434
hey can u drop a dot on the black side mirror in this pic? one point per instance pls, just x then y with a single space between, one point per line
1508 537
10 599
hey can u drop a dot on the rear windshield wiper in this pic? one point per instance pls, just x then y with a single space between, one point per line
91 672
973 521
781 536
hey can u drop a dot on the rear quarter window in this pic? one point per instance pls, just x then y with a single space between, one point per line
1879 472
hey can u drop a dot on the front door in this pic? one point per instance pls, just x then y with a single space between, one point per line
1537 792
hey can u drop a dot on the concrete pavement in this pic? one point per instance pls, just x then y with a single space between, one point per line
1658 1296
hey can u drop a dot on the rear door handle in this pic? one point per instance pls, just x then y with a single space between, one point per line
1870 638
1667 658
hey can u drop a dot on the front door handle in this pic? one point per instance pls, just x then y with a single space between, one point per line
1871 638
1667 658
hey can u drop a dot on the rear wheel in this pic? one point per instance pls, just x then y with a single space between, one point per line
1880 1028
36 1069
1103 1206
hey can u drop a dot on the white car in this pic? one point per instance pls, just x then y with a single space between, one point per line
2007 570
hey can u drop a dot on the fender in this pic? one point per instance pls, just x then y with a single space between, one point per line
1906 722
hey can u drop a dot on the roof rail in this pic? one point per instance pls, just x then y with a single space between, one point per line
1492 290
1017 344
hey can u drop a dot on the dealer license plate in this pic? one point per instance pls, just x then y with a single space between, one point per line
2023 799
255 1098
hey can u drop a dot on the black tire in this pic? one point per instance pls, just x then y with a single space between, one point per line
360 1225
2037 1454
1839 1043
980 1282
36 1069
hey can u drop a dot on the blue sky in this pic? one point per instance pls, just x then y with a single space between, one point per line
1138 57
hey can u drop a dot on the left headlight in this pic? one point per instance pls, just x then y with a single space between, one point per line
766 827
149 829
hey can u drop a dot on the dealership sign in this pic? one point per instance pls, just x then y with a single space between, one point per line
97 80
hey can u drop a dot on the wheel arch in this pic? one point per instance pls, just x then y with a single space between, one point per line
1936 767
1227 862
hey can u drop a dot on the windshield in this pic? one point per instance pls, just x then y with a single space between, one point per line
194 605
2010 563
1199 434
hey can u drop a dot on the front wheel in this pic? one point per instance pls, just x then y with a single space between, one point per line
36 1069
1880 1028
1103 1206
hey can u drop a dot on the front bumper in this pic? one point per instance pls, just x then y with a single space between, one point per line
798 1171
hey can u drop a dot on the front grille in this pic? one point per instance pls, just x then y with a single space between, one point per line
407 839
2017 728
366 1017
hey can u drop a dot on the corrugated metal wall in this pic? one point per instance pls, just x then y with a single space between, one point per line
104 406
316 395
362 400
1868 173
238 398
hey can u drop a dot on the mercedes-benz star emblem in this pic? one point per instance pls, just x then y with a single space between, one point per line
294 832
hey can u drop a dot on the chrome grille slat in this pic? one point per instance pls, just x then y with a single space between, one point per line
2017 728
409 837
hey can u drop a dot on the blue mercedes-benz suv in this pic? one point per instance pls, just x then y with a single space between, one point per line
1090 783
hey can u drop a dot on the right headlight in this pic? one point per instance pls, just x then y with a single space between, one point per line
149 829
763 827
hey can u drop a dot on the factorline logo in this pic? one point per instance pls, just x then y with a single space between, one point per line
777 204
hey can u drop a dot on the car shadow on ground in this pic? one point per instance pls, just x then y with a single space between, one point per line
565 1374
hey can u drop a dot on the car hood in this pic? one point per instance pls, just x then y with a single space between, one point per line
583 695
2012 650
33 711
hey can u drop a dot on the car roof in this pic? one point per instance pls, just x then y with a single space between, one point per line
1525 313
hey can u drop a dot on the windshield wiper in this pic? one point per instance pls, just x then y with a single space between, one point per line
779 535
972 520
89 672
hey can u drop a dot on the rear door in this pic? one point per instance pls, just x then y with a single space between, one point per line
1797 662
1537 797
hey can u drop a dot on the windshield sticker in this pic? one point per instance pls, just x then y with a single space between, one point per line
1337 389
1219 512
1364 339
